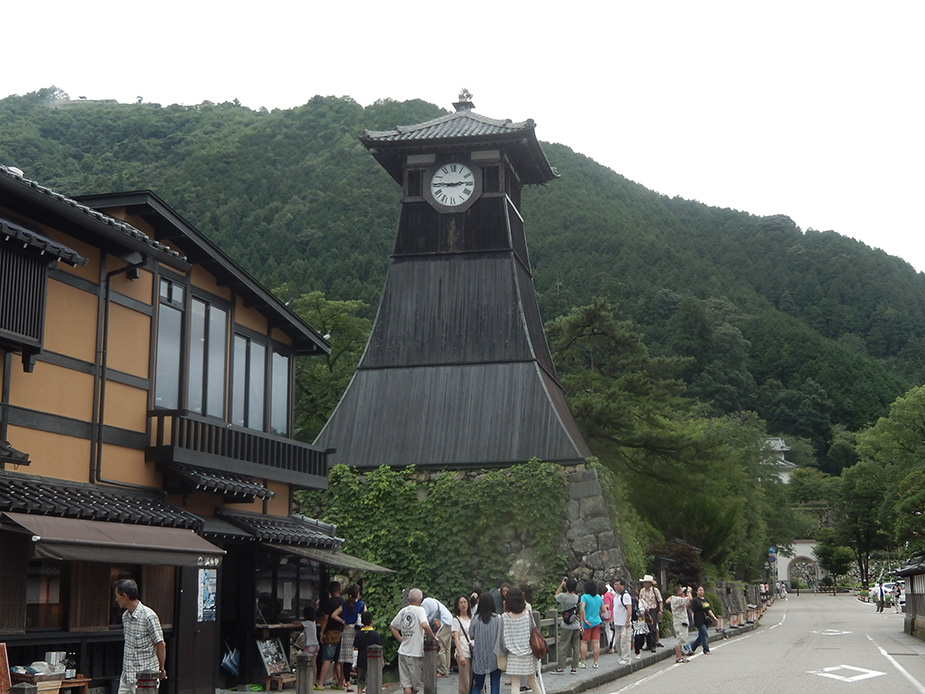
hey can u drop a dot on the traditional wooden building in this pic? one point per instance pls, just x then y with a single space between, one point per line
457 372
913 571
146 429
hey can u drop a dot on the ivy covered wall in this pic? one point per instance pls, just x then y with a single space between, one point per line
452 532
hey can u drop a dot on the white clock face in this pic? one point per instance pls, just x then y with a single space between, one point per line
452 184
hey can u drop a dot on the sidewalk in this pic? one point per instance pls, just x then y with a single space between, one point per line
588 678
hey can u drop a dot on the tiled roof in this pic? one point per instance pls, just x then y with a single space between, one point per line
52 497
10 232
228 484
216 529
126 229
463 123
462 130
291 530
8 454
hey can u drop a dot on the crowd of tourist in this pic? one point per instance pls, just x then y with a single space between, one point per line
491 632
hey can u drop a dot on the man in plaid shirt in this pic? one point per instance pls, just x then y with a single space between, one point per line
145 650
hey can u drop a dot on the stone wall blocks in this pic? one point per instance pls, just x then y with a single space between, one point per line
584 490
585 544
593 506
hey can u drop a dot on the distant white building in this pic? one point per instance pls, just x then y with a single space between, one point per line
778 450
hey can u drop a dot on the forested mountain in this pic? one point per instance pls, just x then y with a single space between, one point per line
811 330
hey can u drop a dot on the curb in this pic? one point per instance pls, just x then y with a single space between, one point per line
604 676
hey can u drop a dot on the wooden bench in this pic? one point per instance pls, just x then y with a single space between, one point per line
278 682
79 682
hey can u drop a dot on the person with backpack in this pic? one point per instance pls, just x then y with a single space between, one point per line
570 638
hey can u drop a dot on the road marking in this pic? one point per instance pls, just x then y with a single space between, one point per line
902 671
863 673
782 620
661 672
832 632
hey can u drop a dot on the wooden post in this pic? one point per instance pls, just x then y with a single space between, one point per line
373 670
429 676
304 673
554 631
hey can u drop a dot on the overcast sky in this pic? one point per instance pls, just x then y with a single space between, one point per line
812 109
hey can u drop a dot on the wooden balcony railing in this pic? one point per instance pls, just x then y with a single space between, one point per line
179 436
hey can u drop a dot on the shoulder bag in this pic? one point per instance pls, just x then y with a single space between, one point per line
537 643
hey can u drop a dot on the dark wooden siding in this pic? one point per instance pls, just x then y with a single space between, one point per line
14 548
449 310
533 322
457 371
456 416
423 230
91 597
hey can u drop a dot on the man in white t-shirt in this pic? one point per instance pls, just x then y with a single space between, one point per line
408 627
621 620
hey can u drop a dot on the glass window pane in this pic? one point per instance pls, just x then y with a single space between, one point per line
256 385
215 401
279 405
197 355
167 369
239 382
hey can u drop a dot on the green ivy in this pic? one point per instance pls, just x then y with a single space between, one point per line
446 533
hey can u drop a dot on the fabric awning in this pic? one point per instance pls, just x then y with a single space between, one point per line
73 539
332 558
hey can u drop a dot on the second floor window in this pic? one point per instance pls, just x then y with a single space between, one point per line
207 359
279 395
169 345
247 405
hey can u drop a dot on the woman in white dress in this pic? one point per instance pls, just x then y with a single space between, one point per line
515 624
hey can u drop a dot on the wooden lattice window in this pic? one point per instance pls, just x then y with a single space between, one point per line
23 278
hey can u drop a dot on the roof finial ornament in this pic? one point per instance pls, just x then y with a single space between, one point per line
465 101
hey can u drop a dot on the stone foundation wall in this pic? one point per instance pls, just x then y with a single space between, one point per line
591 542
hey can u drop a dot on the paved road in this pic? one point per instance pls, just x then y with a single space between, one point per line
810 643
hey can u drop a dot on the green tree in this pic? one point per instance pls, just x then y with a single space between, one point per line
321 381
659 443
863 513
896 445
910 511
836 559
899 438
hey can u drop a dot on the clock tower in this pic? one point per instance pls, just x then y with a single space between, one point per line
457 372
